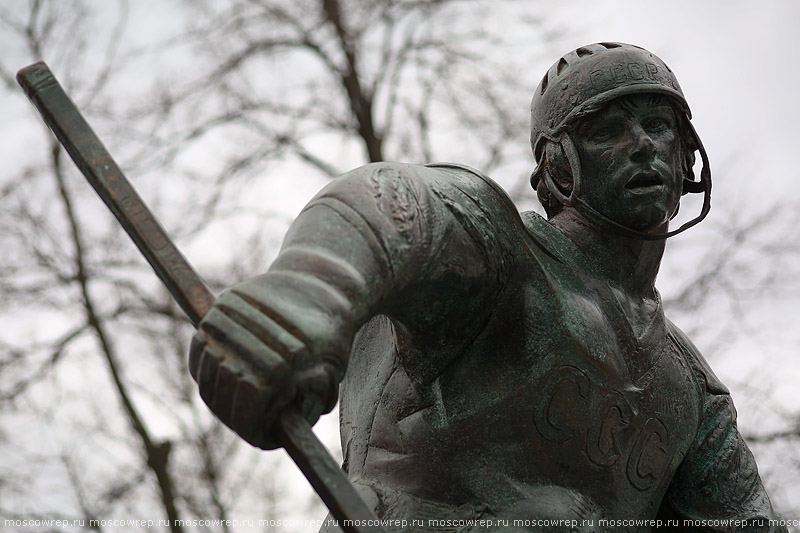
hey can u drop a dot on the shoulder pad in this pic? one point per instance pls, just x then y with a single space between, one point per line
478 174
482 204
696 360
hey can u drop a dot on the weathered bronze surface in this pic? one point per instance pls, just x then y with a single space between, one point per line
190 292
500 371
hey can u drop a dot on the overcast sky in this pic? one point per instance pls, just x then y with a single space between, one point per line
738 66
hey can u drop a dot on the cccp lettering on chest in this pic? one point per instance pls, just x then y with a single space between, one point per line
639 435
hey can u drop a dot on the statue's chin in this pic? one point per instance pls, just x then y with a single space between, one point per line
651 221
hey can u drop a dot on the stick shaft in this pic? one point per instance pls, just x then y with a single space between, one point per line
185 285
102 172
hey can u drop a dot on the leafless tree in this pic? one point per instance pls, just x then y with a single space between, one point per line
336 83
100 417
101 420
99 413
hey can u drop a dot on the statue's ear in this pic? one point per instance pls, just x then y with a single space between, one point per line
558 166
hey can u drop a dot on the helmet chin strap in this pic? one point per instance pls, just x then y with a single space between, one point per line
574 199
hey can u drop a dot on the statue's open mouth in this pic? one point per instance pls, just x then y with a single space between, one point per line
646 178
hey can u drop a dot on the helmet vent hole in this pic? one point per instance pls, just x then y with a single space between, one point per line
609 46
561 65
583 52
544 83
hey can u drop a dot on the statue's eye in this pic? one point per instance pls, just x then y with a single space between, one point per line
655 124
601 134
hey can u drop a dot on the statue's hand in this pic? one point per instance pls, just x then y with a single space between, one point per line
265 347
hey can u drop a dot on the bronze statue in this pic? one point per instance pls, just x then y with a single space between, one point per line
499 371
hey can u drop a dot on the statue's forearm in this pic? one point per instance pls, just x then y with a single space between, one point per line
281 340
417 244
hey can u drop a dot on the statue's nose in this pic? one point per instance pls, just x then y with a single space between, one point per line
643 145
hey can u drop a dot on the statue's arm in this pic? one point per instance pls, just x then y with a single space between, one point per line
718 478
410 242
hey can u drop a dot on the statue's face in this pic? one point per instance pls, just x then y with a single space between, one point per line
630 154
